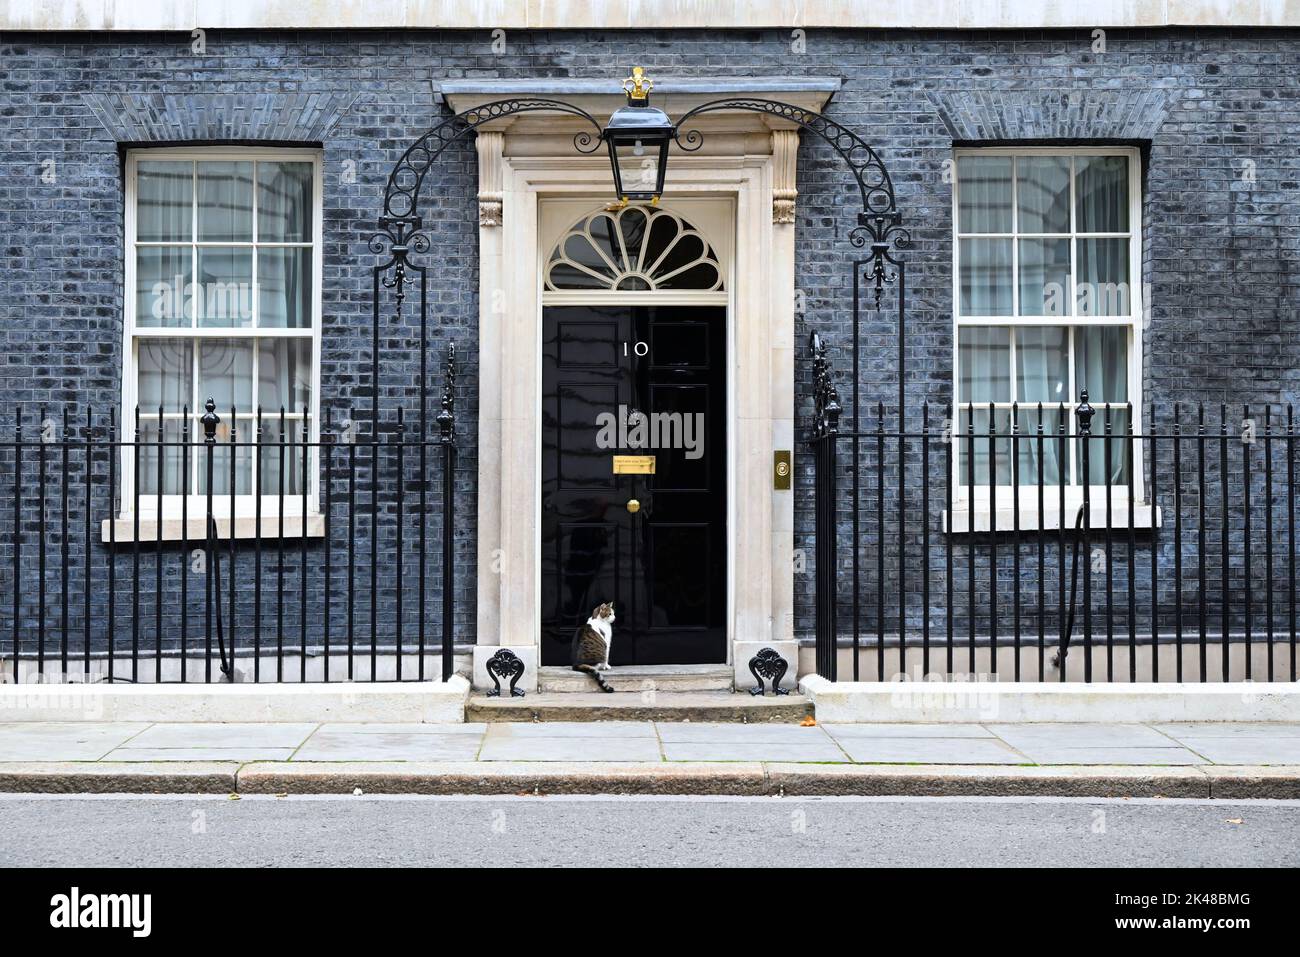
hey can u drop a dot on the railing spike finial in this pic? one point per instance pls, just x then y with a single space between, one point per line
210 420
1084 413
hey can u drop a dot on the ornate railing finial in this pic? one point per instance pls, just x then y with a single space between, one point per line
210 420
446 417
1084 413
826 417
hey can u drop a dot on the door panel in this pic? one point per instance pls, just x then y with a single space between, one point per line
664 566
577 406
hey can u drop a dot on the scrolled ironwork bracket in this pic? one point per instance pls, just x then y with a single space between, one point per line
401 196
770 665
505 664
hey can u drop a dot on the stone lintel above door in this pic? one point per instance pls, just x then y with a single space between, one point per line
675 95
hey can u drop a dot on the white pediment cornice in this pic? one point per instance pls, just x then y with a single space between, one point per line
674 95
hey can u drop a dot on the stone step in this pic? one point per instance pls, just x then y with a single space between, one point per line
638 706
639 678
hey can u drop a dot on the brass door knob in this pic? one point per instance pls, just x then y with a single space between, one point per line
633 506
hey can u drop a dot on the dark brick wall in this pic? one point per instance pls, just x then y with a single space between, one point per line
1220 251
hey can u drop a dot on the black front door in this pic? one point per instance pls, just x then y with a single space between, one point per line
644 382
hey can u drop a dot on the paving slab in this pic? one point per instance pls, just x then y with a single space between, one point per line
329 745
470 728
842 731
1047 754
717 732
570 729
64 741
1230 729
202 735
1060 735
1245 750
573 748
816 750
931 751
199 754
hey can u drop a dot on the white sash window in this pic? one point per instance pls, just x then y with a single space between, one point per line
223 273
1048 302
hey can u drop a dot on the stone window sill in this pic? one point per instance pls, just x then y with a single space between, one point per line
123 529
959 521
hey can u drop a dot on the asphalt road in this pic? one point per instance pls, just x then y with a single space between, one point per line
87 831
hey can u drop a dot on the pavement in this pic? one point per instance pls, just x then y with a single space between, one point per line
1229 760
507 831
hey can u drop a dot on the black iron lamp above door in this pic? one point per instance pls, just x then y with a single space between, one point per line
637 136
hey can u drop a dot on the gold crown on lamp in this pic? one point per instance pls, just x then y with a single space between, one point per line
638 85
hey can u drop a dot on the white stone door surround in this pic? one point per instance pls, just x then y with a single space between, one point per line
746 166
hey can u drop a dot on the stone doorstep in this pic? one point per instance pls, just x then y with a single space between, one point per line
693 778
639 678
640 706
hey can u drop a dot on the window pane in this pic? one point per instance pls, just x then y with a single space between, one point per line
282 460
1102 194
164 202
221 460
284 202
1044 277
1098 448
162 279
984 194
1102 286
284 374
225 202
226 374
984 357
171 456
1042 364
1043 194
225 287
985 277
1050 449
166 375
632 226
984 447
284 287
1101 363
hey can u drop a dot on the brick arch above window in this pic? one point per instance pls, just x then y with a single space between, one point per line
983 116
219 117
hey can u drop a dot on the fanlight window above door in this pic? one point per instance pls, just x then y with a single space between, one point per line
633 249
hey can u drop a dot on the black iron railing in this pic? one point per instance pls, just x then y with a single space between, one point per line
1052 542
145 556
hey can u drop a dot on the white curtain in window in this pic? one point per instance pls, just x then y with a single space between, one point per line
1101 194
163 210
284 216
1101 367
1043 375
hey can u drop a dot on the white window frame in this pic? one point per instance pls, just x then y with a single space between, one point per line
245 505
1144 515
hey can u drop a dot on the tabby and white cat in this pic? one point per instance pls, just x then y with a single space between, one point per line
591 643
